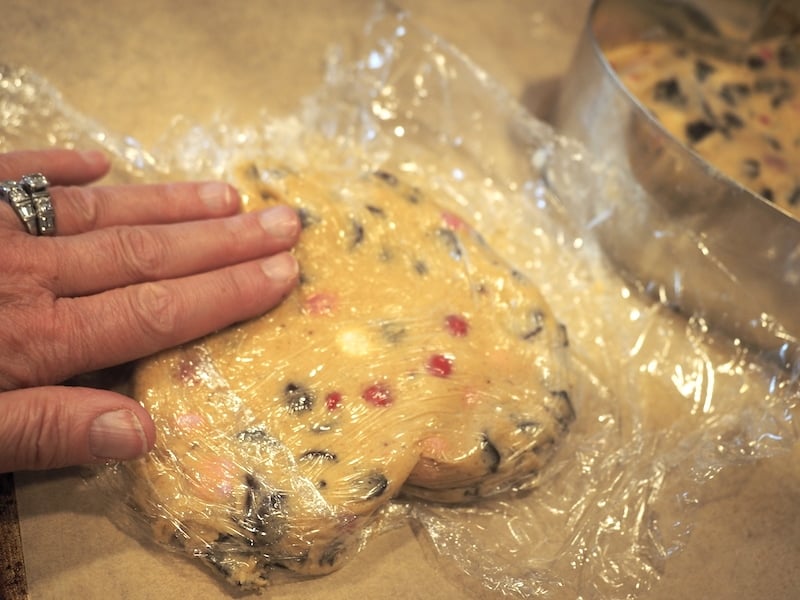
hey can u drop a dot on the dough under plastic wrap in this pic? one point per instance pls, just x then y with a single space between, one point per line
663 402
410 360
740 116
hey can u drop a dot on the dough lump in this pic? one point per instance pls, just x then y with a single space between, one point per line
410 360
742 117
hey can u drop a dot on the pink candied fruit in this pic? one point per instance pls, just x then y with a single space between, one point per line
321 303
439 365
457 325
214 477
378 395
333 400
189 421
453 221
187 371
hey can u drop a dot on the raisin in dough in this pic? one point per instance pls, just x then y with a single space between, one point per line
741 117
410 359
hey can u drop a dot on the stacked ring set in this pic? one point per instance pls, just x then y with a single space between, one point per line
30 199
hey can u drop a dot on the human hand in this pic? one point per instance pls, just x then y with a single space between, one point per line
131 270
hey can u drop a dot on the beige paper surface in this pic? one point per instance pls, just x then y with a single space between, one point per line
119 62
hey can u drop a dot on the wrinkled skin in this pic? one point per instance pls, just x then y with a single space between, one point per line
131 270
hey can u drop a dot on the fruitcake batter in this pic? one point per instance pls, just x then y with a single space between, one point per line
410 359
744 118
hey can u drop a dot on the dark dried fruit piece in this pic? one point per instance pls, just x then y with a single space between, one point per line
264 513
372 485
563 335
331 553
256 435
393 331
776 101
697 130
319 454
535 325
220 559
389 178
769 85
773 143
703 69
414 195
491 456
450 240
751 168
252 172
357 233
669 92
755 62
732 120
298 398
731 93
529 426
307 218
559 405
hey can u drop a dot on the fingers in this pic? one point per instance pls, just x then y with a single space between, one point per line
50 427
127 323
113 257
61 167
80 209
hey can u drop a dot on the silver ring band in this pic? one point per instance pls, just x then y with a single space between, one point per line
21 201
36 186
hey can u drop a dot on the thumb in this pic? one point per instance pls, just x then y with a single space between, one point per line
50 427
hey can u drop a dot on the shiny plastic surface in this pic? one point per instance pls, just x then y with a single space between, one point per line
662 402
411 360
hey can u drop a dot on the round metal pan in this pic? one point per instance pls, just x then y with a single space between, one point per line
682 230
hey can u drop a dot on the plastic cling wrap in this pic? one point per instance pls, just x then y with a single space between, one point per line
410 360
661 402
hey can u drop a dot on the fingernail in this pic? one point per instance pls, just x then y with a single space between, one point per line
280 222
94 158
215 194
281 268
117 434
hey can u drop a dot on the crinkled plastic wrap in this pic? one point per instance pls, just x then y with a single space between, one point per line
661 402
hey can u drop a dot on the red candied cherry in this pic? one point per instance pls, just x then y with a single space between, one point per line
321 303
439 365
378 395
453 221
333 400
457 325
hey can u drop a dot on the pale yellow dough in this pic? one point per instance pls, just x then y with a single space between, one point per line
410 360
743 118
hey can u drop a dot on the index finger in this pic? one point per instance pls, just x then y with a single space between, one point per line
60 166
